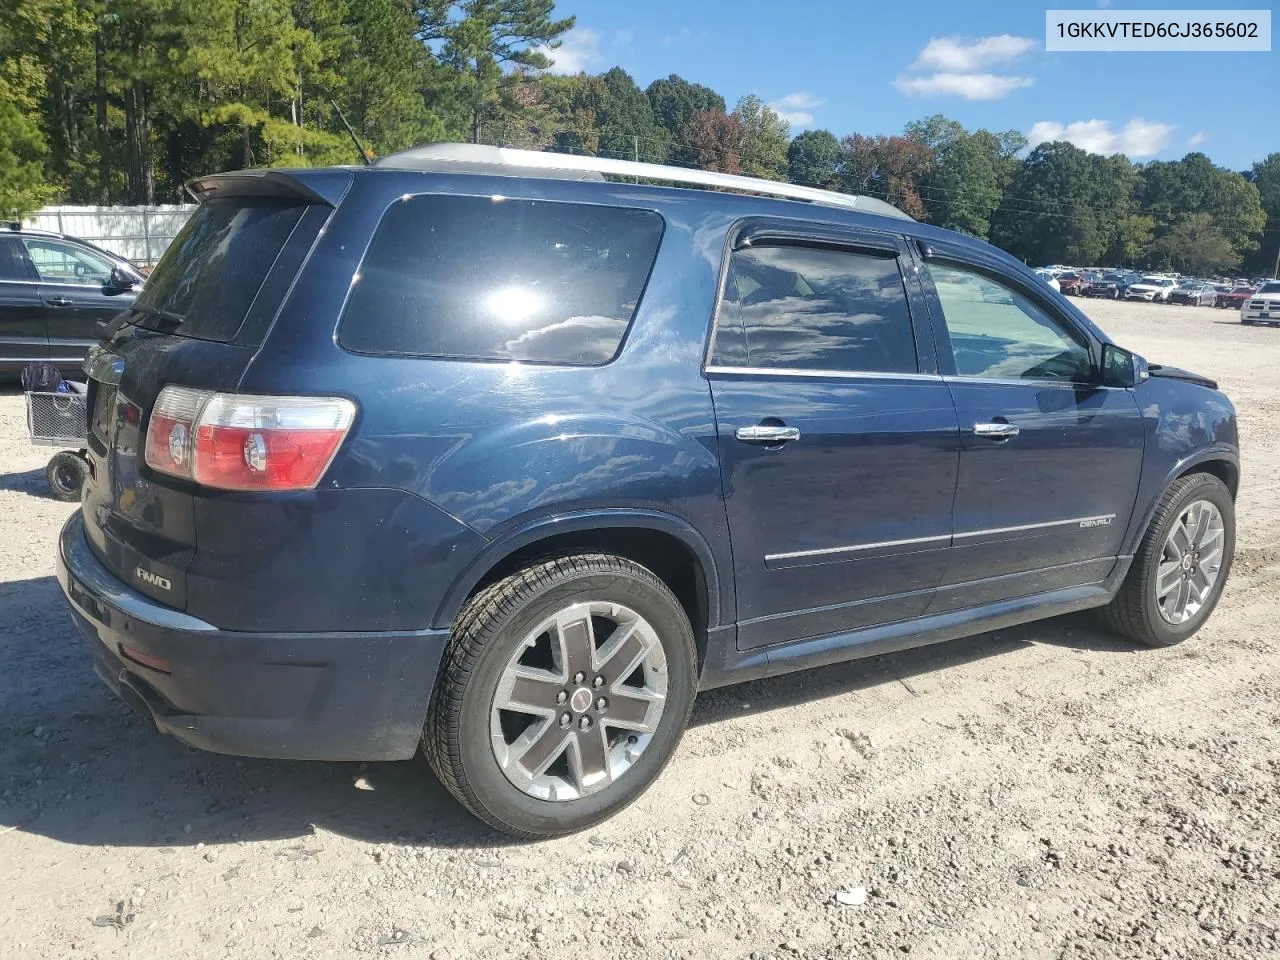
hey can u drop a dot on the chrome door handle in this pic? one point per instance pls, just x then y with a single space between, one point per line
767 434
59 302
996 431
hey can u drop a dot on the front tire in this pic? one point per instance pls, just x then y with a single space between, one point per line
1181 566
564 691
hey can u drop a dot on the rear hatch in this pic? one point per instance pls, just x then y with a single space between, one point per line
199 320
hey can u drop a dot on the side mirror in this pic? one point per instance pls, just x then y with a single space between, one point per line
1122 368
121 280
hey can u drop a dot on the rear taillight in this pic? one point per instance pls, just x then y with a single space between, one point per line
242 442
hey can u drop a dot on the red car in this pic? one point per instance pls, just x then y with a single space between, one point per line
1235 299
1070 284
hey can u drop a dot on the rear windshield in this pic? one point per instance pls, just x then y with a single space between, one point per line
205 282
491 278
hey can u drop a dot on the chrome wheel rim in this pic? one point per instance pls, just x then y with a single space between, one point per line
579 701
1190 562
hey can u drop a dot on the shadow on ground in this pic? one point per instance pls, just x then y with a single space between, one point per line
76 765
33 482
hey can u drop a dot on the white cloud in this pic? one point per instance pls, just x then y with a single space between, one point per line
961 55
796 108
971 86
1196 139
1138 138
622 38
579 50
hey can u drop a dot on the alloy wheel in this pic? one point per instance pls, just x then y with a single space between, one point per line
1190 562
579 701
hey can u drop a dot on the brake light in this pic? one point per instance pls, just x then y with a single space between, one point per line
244 442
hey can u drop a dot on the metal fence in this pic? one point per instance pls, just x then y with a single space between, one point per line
140 234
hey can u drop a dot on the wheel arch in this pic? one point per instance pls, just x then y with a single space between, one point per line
1220 462
666 545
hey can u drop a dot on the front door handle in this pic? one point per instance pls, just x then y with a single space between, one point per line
58 301
763 433
995 430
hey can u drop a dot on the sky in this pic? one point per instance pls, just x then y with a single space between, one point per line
856 67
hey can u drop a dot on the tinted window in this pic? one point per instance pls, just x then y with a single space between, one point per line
996 332
12 263
1270 288
207 279
58 262
501 279
817 309
730 346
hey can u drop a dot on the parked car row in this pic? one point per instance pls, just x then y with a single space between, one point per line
1164 288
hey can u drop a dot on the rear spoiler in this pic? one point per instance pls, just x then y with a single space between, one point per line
309 186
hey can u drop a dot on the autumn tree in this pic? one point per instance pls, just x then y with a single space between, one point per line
889 168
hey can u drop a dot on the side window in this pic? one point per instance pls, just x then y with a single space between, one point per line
730 346
810 308
13 264
998 333
501 279
64 263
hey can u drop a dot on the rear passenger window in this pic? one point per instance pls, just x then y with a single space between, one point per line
500 279
816 309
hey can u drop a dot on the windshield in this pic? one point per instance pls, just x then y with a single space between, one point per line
1153 281
1270 288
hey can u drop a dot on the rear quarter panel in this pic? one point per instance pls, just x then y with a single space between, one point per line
502 446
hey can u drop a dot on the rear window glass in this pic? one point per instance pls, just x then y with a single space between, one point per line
500 279
206 281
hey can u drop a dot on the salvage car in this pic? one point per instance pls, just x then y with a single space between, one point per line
475 452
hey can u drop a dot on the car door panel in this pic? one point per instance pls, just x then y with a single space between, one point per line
22 329
77 294
1049 460
848 523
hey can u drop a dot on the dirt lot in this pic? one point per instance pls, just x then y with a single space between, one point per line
1047 791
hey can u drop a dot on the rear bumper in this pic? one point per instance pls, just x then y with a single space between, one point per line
301 696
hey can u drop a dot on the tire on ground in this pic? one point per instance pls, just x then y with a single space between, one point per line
1135 612
485 636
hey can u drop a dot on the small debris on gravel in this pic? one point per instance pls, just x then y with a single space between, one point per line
852 896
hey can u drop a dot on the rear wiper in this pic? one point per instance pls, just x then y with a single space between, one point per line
165 315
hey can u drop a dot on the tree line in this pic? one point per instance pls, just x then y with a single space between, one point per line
122 101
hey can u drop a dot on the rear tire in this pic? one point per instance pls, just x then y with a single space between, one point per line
66 474
521 641
1146 608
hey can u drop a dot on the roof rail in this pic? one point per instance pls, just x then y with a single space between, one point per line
480 158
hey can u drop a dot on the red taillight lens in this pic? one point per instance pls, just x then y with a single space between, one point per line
173 425
238 442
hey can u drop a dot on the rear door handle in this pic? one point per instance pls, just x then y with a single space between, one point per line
995 430
58 301
767 434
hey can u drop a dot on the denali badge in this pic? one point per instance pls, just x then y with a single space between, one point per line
146 576
1096 522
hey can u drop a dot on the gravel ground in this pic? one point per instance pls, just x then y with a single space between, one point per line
1045 791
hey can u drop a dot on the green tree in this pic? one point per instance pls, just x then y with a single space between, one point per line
1265 175
765 141
485 42
813 159
1049 213
1194 184
627 128
22 150
674 101
1196 245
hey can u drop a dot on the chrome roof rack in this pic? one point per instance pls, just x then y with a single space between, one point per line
480 158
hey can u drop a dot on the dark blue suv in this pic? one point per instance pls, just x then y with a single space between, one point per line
476 450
